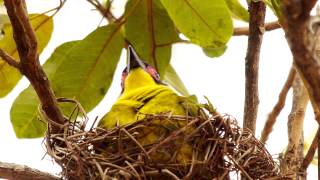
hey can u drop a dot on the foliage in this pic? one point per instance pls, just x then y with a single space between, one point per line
85 68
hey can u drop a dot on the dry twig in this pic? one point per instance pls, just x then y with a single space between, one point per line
256 30
244 31
14 171
278 107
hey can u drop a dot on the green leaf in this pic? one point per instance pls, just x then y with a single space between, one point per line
81 70
205 22
274 5
151 32
214 52
237 10
172 78
24 111
9 76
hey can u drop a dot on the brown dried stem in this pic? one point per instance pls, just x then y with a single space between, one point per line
272 117
105 11
294 153
256 24
301 39
311 152
10 60
244 31
26 42
15 171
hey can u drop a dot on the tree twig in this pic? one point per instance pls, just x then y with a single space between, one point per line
311 152
301 39
26 42
105 11
293 156
256 25
278 107
10 60
244 31
15 171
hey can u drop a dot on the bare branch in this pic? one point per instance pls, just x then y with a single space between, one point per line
105 11
8 59
15 171
293 156
278 107
311 152
26 42
244 31
256 24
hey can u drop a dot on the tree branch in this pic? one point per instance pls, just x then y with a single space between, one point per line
244 31
26 42
293 156
15 171
105 11
10 60
278 107
256 24
311 152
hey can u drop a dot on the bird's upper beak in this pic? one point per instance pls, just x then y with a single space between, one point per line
133 60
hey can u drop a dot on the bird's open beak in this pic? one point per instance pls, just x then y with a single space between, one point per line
133 60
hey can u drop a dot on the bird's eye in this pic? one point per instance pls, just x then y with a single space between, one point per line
153 72
123 77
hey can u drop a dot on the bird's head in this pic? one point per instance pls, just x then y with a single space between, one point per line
138 73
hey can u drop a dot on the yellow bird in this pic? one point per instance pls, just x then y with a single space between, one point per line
144 93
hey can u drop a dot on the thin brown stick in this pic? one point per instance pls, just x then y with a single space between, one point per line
9 59
256 23
15 171
311 152
272 117
26 42
301 39
105 11
244 31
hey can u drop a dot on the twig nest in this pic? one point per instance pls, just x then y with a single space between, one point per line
163 146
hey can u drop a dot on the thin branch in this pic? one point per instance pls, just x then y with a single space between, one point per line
9 59
105 11
293 156
311 152
272 117
257 15
244 31
26 42
15 171
302 41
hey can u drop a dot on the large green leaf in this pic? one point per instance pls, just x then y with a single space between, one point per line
81 70
237 10
207 23
9 76
150 30
24 112
172 78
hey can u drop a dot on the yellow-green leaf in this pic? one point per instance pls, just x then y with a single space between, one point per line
24 113
172 78
237 10
150 30
81 70
214 52
207 23
9 76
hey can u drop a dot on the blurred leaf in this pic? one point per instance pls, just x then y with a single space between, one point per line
172 78
205 22
274 5
214 52
9 76
151 32
24 111
237 10
81 70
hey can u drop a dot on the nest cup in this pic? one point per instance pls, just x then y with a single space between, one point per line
210 146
